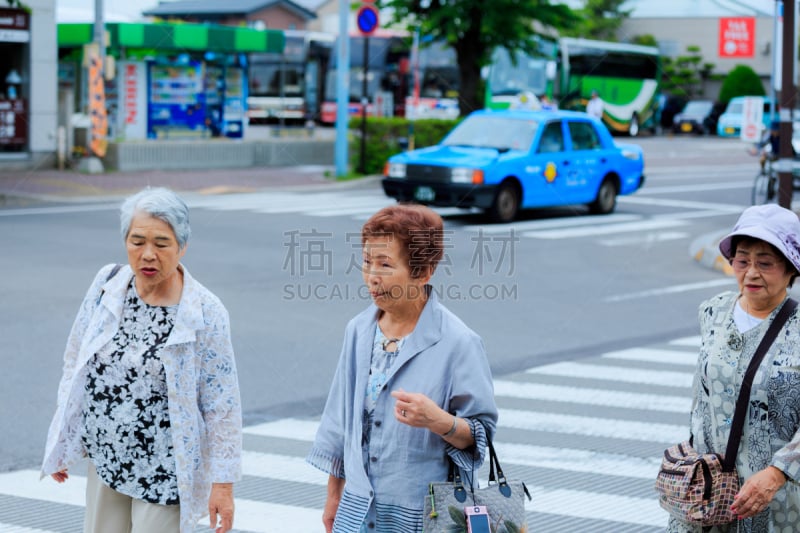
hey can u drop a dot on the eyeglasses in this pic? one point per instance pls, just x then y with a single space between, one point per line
765 266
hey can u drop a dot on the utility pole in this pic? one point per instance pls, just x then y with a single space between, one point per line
787 103
99 33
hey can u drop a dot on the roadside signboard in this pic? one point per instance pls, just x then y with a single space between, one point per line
752 119
737 37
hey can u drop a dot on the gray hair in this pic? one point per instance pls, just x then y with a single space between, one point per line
160 203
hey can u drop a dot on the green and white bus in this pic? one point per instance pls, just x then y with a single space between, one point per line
626 77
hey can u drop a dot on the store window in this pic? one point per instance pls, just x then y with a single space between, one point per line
14 76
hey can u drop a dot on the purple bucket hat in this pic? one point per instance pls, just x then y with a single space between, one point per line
771 223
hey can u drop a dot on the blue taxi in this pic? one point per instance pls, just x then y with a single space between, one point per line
504 161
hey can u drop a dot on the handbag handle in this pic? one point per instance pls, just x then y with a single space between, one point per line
453 475
729 461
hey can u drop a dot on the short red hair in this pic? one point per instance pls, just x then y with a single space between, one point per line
419 230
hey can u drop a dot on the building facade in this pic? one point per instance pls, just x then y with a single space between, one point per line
28 87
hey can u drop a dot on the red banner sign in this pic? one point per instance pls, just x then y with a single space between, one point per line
737 37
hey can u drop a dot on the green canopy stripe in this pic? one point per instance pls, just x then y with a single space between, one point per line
130 35
169 37
250 41
222 38
158 36
74 34
192 37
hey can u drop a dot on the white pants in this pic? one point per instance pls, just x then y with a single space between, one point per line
108 511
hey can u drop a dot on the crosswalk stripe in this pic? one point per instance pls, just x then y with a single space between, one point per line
291 468
550 223
587 231
591 426
651 355
8 528
251 515
628 375
694 341
593 505
286 428
573 460
580 395
26 484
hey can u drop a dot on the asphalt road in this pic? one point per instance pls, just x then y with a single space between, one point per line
553 286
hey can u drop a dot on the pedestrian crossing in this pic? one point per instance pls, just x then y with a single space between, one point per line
613 230
585 435
616 229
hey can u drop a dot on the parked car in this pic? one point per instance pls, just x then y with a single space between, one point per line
504 161
696 117
730 122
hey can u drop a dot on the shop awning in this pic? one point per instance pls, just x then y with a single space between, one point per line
176 37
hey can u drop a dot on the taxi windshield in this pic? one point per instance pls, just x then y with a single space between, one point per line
500 133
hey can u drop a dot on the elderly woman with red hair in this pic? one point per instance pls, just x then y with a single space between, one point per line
412 387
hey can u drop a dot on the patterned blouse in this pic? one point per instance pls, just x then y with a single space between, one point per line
126 428
771 434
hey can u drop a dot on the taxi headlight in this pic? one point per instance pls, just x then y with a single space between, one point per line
395 170
466 175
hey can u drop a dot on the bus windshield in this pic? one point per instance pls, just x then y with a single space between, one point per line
265 80
509 79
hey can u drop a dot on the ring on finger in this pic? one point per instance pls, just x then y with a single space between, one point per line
403 412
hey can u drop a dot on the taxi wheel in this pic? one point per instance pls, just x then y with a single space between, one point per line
606 199
506 203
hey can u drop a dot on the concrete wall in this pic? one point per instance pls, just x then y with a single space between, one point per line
217 153
675 34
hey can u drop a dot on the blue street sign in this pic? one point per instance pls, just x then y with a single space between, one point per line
367 19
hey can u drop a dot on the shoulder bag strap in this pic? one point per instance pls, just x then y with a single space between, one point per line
729 461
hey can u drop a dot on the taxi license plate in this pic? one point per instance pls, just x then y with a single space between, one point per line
424 194
729 130
686 127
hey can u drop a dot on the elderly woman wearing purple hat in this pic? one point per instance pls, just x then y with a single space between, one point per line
764 251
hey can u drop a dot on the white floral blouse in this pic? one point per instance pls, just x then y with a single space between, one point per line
126 429
771 434
202 388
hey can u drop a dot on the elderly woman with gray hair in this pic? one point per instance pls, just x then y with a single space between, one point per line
149 391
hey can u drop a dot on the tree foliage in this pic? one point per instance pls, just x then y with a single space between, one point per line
474 28
600 19
686 75
741 81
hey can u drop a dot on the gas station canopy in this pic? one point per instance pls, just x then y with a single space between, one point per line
176 37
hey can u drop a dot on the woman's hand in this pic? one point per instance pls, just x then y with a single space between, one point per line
335 486
757 492
61 476
220 506
419 411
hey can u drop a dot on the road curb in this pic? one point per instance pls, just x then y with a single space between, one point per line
705 250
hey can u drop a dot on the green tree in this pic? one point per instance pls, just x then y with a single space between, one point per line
644 40
474 28
600 19
741 81
686 75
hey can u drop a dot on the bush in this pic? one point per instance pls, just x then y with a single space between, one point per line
387 136
741 81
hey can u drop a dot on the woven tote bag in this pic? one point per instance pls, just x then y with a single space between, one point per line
504 500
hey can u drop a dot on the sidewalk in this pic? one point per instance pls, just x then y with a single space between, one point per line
705 250
70 185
